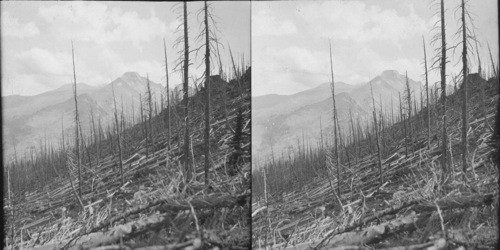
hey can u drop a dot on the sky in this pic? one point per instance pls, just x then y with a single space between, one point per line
290 51
110 38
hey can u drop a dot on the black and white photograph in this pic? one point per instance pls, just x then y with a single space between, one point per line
126 125
373 124
292 124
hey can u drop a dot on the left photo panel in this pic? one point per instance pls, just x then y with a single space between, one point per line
126 125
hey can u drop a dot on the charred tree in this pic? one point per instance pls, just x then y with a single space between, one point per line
150 116
444 156
118 133
465 123
379 156
494 68
408 103
187 164
168 98
335 146
77 123
403 120
427 98
207 95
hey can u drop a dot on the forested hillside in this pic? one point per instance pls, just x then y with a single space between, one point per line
174 175
303 205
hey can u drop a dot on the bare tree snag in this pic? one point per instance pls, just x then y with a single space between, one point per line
150 117
379 156
408 102
168 98
335 123
495 72
77 122
403 120
427 98
118 132
444 152
187 164
465 123
207 95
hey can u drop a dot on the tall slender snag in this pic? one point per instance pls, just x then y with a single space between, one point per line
479 70
168 99
77 122
187 164
427 98
150 104
495 71
207 96
444 152
403 120
408 102
379 156
465 123
334 122
118 133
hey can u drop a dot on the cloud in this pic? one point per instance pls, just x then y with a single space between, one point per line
92 21
265 23
290 68
38 61
12 27
356 22
44 70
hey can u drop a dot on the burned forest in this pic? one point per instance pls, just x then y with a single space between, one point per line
162 168
392 163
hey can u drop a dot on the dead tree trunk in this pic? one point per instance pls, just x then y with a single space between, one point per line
207 96
465 123
187 164
408 102
150 117
379 156
444 156
77 123
354 141
118 132
335 124
495 72
168 99
94 132
427 98
403 120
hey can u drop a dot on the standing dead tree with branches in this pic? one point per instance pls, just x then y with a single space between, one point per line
182 64
77 123
440 58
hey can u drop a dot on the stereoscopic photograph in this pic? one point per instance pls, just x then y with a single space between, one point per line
126 125
331 124
373 124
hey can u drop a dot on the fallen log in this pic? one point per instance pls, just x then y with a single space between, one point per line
446 203
215 201
391 210
418 205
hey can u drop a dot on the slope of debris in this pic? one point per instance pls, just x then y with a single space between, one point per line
154 207
411 208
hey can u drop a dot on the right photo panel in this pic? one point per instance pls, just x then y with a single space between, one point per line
375 124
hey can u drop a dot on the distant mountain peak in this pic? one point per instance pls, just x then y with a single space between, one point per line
391 74
131 76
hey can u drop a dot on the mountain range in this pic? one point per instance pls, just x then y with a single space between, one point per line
279 121
27 120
